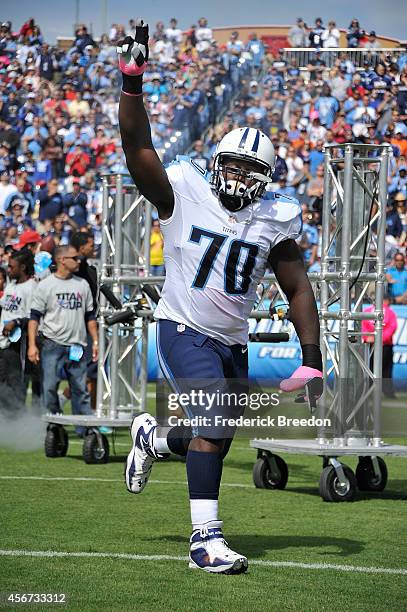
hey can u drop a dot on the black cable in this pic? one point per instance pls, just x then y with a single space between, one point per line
333 301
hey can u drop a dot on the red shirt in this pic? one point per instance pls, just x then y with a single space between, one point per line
78 162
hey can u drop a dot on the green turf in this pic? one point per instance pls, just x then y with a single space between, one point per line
292 525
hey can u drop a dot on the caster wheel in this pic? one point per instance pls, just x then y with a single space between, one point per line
56 441
366 476
95 448
332 490
270 472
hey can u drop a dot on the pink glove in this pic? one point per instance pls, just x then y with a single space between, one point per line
299 378
133 52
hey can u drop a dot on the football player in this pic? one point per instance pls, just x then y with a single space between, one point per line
220 232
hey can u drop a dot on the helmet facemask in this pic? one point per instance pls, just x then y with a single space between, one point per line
236 187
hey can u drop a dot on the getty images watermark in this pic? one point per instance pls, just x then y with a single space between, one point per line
215 409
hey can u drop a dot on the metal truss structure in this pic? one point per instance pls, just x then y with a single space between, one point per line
352 264
125 266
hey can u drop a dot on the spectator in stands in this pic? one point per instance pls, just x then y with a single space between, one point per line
78 106
197 154
163 50
75 204
23 196
397 278
30 241
159 31
203 36
63 302
308 242
83 39
338 83
394 226
327 106
6 189
156 250
380 81
6 160
174 34
330 36
257 50
43 169
280 63
234 47
51 201
316 65
46 63
315 35
400 201
315 190
284 188
372 42
294 164
297 35
354 34
77 161
35 134
273 80
399 181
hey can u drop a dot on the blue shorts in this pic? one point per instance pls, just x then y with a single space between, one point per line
212 374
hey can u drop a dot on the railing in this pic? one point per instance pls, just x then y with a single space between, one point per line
303 56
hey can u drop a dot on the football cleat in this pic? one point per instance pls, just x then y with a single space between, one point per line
142 455
210 552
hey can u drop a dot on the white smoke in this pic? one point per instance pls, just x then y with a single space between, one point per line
22 431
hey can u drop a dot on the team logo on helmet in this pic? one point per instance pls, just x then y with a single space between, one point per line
239 184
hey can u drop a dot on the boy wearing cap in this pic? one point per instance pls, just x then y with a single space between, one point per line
30 241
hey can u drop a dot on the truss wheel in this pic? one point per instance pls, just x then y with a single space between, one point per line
270 472
334 489
367 477
56 441
95 448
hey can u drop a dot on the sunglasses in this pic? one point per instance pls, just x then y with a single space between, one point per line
76 258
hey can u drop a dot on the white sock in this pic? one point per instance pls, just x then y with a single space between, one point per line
160 445
203 511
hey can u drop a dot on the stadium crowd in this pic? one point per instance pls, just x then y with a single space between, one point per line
59 135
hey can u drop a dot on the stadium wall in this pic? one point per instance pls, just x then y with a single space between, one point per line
277 361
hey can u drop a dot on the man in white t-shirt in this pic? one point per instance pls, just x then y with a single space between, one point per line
6 189
203 35
174 34
15 304
330 36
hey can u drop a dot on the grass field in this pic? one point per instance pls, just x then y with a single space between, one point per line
304 554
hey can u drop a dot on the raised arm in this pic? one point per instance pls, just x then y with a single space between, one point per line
142 160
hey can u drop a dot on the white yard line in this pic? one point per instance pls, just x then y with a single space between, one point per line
262 563
235 485
128 445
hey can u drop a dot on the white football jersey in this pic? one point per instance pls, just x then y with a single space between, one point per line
214 259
